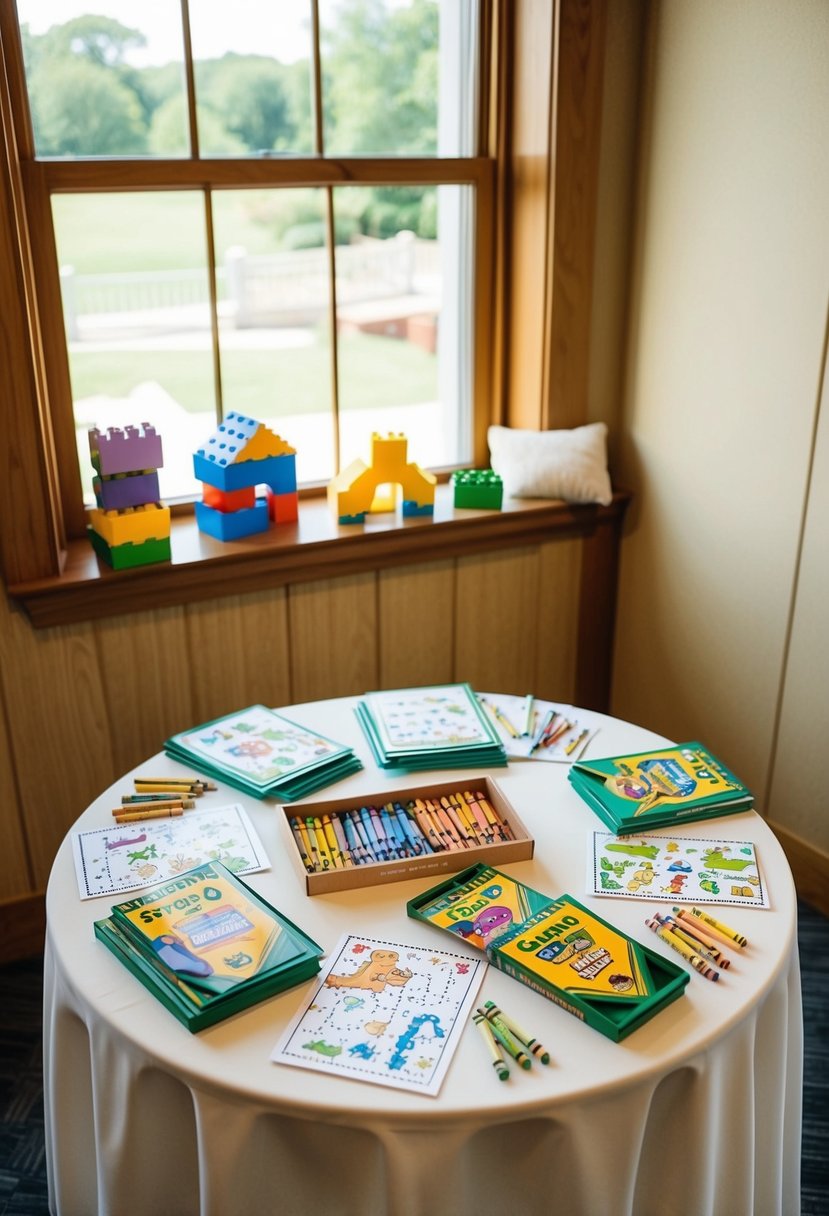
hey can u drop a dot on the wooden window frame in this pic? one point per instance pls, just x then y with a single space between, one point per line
535 184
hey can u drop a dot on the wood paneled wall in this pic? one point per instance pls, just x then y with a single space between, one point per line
83 703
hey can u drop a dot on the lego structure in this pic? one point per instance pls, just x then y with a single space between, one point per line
129 526
480 489
239 456
362 488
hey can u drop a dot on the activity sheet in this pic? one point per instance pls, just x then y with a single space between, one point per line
676 868
129 855
386 1013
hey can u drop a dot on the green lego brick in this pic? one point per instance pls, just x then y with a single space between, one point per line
478 489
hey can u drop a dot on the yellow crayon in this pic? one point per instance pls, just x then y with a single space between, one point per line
731 935
136 816
316 827
691 957
331 841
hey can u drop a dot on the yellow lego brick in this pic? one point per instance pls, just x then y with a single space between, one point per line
265 443
133 525
388 454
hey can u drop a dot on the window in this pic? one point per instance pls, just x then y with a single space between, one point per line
276 213
466 184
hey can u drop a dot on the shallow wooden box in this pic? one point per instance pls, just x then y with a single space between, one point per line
428 866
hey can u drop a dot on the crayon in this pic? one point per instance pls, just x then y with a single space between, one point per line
135 816
342 843
331 843
503 827
529 713
357 850
459 829
691 957
709 952
361 835
300 844
696 925
408 845
176 780
319 848
506 1040
185 796
453 836
731 934
501 718
158 804
549 717
498 1061
573 744
437 824
532 1045
416 829
378 851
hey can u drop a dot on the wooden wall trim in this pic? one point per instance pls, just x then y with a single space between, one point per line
316 548
22 927
809 865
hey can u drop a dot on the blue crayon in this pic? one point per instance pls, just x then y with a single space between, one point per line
360 831
389 834
373 844
401 820
352 841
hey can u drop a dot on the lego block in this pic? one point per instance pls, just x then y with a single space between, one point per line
416 508
283 508
240 438
125 490
124 557
353 491
135 449
481 489
133 525
232 500
233 525
273 471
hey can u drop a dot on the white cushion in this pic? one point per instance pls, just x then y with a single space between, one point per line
553 464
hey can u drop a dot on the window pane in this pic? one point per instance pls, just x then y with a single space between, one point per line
275 336
403 318
252 66
399 77
106 82
138 322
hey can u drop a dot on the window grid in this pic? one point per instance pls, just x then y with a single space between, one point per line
43 178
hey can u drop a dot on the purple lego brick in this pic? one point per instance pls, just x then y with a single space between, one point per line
115 493
132 450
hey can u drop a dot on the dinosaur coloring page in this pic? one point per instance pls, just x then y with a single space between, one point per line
385 1013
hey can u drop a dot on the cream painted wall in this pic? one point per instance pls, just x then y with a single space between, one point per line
724 353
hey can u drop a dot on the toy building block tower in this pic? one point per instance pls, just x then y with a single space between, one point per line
129 527
241 455
361 488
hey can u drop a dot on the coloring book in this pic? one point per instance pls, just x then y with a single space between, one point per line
385 1013
123 857
676 868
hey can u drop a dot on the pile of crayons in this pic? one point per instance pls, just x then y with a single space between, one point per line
394 831
698 938
160 798
498 1031
550 731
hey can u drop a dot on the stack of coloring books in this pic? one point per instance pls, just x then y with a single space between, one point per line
261 752
435 727
207 946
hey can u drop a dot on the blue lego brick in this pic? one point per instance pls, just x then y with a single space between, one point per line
233 525
352 519
276 472
408 507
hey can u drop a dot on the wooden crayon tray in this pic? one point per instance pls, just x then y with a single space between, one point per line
371 873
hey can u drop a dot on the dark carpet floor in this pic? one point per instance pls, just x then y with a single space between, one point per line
22 1160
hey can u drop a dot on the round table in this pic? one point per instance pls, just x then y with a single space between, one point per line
696 1112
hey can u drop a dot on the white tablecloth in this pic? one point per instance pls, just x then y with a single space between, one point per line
698 1112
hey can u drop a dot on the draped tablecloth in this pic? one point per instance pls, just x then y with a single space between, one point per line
697 1112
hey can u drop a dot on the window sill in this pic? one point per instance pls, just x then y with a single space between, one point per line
315 547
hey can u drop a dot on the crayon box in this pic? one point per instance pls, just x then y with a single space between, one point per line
518 846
